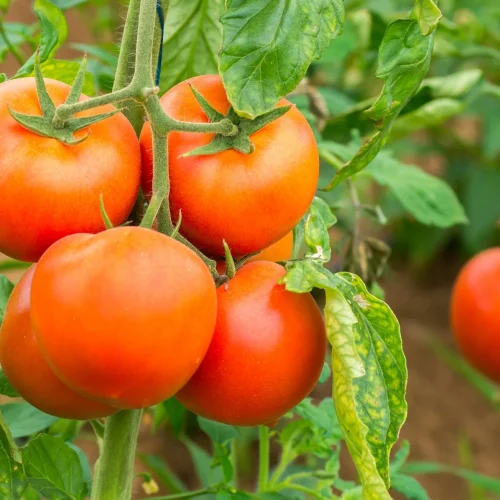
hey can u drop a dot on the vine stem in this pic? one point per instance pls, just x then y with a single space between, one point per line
115 468
263 458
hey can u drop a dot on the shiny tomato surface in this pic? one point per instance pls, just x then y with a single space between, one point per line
125 316
267 352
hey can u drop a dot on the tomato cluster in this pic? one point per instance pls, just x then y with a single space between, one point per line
128 317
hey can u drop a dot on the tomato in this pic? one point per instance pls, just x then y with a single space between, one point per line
475 312
49 190
125 316
267 353
26 368
277 252
251 200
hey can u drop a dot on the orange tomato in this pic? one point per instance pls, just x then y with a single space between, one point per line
250 200
277 252
125 316
266 355
28 371
475 312
49 190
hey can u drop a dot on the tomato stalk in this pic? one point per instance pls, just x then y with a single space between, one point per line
263 458
115 468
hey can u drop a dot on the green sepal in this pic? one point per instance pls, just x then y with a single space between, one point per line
46 125
105 217
240 142
230 265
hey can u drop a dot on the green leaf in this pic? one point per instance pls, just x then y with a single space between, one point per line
176 413
163 472
6 288
400 457
203 464
68 4
12 480
257 65
430 114
429 199
5 388
17 34
454 85
325 373
192 41
54 31
53 469
322 416
86 469
24 419
369 369
427 13
488 483
409 487
220 433
403 61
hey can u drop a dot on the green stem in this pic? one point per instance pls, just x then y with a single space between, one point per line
12 48
115 471
263 458
125 69
178 496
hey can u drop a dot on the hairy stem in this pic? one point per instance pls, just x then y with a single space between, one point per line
115 471
263 458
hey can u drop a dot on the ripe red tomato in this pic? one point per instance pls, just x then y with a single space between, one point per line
267 352
475 312
125 316
279 251
49 190
251 200
26 368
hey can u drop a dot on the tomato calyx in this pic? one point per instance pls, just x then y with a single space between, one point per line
45 125
240 141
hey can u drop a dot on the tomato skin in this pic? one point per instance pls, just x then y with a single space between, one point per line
475 312
277 252
267 353
251 200
49 190
125 316
26 368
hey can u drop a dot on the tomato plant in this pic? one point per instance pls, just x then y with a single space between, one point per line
267 353
252 127
474 312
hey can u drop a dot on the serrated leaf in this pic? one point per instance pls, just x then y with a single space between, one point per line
12 479
54 31
53 469
369 369
5 388
427 13
192 40
220 433
257 66
6 288
24 419
403 61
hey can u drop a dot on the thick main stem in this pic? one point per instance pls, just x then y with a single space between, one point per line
115 468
